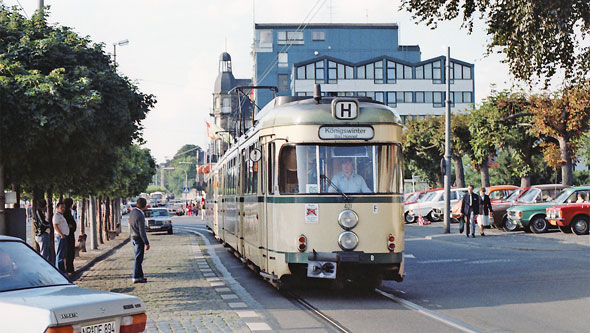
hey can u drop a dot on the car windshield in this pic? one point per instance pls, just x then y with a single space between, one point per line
340 168
156 212
412 197
563 196
530 195
428 197
514 195
22 268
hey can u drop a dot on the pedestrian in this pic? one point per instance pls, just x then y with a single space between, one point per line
188 208
194 209
60 225
138 238
71 248
470 209
202 208
485 209
42 229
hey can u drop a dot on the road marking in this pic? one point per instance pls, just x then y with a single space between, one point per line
258 327
431 314
228 296
409 255
437 261
235 305
489 261
247 314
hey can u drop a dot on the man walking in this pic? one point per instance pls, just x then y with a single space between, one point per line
470 209
138 238
60 225
71 247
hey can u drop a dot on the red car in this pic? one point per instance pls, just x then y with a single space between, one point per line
570 218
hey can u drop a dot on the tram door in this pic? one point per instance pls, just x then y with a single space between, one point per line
267 190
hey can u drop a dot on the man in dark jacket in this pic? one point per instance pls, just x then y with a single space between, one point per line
138 238
470 209
71 247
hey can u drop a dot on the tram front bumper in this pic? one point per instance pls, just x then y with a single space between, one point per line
327 265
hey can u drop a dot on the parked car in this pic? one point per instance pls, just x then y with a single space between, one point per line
529 195
432 205
496 193
176 208
158 219
570 218
532 217
419 197
36 297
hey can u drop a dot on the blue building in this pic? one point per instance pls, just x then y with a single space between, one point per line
357 60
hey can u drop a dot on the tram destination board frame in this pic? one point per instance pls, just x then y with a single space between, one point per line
346 132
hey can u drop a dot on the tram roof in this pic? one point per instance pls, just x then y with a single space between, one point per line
300 110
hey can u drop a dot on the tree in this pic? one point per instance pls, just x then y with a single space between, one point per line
422 149
538 38
484 128
184 159
563 117
460 143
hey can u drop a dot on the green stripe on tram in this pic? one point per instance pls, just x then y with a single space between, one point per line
318 199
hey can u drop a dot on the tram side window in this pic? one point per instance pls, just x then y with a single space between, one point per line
298 170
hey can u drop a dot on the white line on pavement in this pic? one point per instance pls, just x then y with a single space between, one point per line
455 323
409 255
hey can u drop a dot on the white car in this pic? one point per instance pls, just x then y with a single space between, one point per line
158 219
432 205
36 297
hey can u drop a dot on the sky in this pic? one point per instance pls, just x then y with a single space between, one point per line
174 48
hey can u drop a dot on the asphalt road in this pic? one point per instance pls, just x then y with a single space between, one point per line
512 282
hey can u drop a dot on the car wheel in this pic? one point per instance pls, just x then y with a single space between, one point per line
510 225
409 218
170 231
565 229
580 225
539 225
432 218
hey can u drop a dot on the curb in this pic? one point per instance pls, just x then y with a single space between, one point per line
103 256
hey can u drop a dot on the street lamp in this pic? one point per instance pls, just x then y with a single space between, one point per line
119 43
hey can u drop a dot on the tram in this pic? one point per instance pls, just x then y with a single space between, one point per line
314 189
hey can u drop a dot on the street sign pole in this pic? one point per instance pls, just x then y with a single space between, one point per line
447 156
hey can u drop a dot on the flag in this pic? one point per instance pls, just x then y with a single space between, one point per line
210 133
215 132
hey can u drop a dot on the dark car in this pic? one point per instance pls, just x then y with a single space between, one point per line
529 195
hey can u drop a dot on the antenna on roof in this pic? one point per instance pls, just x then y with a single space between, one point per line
317 92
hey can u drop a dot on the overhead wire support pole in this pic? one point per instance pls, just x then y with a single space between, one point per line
447 157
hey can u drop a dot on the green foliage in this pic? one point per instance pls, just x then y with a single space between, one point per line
484 129
71 115
581 177
154 188
184 159
584 149
422 150
538 38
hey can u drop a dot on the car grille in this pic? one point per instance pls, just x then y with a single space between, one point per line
154 223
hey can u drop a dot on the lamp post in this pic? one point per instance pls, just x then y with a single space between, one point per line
119 43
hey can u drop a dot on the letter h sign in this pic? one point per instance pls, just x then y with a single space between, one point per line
345 109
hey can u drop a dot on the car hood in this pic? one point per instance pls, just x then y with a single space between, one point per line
533 207
68 304
159 218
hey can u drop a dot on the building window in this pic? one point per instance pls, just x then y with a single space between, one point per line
403 72
437 99
319 72
265 39
360 72
437 72
404 119
290 37
391 100
379 96
408 97
332 72
345 72
467 96
419 97
318 35
390 72
428 71
283 82
283 59
460 72
428 97
379 72
420 72
361 93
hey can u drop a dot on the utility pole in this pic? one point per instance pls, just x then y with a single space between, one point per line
41 4
448 145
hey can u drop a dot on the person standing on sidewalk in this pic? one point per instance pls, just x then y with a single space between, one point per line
470 209
60 225
70 251
485 209
42 228
138 238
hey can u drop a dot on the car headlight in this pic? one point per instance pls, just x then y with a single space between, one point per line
348 240
348 219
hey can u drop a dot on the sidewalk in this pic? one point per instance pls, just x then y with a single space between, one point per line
87 259
518 240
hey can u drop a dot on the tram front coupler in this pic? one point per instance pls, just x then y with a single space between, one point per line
322 265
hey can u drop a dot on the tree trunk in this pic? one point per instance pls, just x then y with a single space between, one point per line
525 181
93 224
100 221
107 217
51 231
3 226
567 177
82 217
459 171
485 174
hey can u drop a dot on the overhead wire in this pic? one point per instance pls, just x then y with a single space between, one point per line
23 8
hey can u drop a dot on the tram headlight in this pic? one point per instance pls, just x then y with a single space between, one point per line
348 219
348 240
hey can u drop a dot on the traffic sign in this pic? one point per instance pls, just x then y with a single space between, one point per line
186 190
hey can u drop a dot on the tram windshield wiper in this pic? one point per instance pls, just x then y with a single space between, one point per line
330 184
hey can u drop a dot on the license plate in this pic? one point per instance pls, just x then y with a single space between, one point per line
156 226
109 327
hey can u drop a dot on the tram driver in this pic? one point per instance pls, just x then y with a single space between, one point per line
347 181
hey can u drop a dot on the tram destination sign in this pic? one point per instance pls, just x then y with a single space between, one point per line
346 132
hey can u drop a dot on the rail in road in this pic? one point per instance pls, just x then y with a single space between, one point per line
330 307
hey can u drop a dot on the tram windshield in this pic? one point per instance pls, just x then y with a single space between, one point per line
349 169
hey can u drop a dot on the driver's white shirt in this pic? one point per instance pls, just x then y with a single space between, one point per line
354 184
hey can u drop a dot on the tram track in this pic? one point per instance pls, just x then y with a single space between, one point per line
318 313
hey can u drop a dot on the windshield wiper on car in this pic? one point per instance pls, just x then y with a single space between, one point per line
346 197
